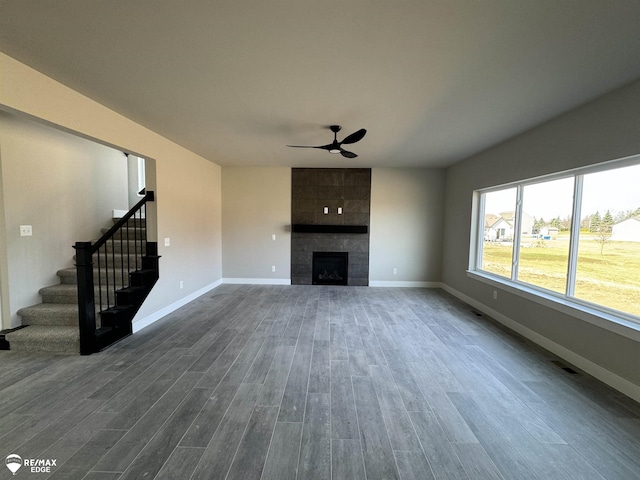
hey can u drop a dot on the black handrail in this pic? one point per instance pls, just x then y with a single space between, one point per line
107 274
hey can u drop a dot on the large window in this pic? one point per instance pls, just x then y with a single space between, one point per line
574 235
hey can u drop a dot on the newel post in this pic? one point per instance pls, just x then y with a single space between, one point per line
86 300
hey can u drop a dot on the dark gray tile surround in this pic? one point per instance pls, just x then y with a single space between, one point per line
315 188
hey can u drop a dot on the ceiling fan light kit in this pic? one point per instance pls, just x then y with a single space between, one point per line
336 146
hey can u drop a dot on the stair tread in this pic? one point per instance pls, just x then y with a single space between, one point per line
60 289
54 309
54 332
40 338
71 271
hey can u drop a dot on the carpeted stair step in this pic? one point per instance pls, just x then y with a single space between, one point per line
117 277
132 233
50 314
68 293
60 293
126 246
133 222
41 338
115 258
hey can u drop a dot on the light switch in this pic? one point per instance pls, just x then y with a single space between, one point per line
167 242
26 231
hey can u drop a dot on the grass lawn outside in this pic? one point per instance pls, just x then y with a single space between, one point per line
611 279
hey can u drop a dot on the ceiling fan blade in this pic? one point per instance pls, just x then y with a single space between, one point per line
307 146
355 136
347 154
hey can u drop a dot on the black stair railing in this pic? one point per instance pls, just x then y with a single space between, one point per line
105 270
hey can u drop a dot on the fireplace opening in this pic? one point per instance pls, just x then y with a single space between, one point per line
330 268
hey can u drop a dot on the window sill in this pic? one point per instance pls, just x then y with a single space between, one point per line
613 323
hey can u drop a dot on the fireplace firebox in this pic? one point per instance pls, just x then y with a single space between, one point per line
330 268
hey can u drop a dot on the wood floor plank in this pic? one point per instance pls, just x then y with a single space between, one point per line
338 343
344 421
376 448
315 450
219 453
476 462
77 437
141 404
295 392
509 461
437 447
84 460
146 380
211 415
276 380
371 346
132 443
282 460
252 452
413 466
320 373
448 416
260 367
396 418
347 462
180 464
157 451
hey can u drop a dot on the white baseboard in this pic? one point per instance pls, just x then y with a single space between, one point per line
388 283
155 316
258 281
614 381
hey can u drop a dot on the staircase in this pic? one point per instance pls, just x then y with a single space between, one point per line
123 269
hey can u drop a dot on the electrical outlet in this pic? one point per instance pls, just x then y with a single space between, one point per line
273 237
181 284
26 231
395 271
273 268
495 294
167 242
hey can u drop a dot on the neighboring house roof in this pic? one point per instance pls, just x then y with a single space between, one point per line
637 219
490 220
508 216
627 230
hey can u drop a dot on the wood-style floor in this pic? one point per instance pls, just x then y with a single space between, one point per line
297 382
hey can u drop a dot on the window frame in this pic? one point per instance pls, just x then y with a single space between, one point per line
620 322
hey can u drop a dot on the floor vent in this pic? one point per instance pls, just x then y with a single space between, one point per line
564 367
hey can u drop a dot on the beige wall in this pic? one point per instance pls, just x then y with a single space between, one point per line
49 182
406 226
606 129
188 187
256 204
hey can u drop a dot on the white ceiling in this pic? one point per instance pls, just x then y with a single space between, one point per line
236 81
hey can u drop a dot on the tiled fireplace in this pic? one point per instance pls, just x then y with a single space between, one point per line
330 214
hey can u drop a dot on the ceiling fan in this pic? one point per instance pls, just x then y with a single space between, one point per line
336 146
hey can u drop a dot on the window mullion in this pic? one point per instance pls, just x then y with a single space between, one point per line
575 235
480 233
517 234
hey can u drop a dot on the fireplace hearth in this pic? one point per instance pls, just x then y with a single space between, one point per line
330 268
